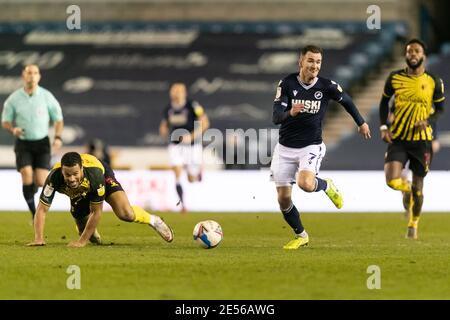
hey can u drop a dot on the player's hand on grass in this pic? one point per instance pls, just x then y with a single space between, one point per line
76 244
364 130
36 243
296 109
421 125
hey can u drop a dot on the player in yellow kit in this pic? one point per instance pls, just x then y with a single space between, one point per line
88 182
409 136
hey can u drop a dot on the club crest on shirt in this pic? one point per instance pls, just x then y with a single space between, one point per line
295 92
318 95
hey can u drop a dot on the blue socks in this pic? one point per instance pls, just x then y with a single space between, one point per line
292 217
320 185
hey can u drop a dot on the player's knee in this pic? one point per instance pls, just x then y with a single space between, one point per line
307 185
191 178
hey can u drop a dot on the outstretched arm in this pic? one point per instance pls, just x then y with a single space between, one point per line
39 223
279 113
281 110
363 127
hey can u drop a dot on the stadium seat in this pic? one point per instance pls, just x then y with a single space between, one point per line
445 48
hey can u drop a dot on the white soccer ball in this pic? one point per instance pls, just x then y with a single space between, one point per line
208 234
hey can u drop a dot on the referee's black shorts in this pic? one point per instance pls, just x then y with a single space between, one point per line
419 154
32 153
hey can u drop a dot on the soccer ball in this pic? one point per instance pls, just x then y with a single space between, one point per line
208 234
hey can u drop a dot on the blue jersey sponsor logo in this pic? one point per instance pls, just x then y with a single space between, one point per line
311 106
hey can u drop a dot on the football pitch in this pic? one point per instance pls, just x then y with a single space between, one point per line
135 263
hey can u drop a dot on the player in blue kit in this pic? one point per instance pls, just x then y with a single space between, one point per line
184 122
300 104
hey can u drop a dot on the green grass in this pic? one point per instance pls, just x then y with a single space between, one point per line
135 263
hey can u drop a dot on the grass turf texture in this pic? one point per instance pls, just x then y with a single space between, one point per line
135 263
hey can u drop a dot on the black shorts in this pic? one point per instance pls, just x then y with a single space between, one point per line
32 153
419 154
81 208
111 183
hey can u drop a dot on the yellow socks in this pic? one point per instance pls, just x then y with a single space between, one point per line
413 222
140 215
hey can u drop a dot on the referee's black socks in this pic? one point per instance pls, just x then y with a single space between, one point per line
28 194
